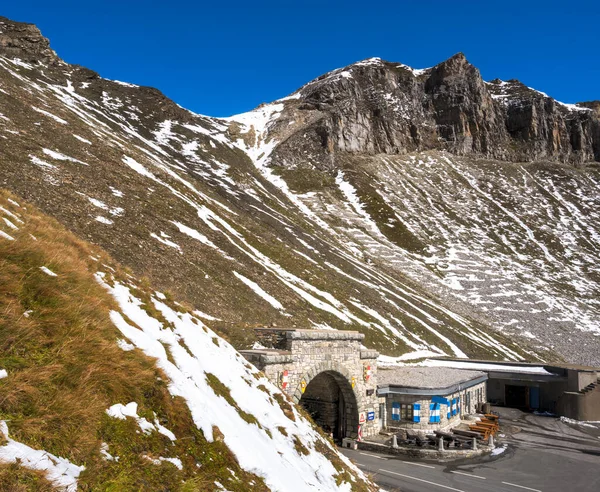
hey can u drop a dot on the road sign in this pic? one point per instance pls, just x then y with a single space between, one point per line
362 417
370 415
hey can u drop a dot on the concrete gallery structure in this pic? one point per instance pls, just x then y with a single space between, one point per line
567 390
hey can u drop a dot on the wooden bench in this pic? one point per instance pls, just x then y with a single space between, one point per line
466 433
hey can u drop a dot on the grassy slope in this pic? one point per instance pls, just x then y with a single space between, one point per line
65 369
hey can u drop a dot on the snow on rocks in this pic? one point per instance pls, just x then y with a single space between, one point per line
81 139
260 292
137 167
61 472
41 163
115 211
61 157
103 220
187 351
164 238
115 192
50 115
193 233
260 120
6 236
3 373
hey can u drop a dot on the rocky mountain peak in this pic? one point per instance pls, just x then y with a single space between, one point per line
376 106
455 64
24 41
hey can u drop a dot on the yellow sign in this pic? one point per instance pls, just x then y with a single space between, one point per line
353 381
303 386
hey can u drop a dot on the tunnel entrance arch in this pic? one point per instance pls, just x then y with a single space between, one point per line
328 372
330 401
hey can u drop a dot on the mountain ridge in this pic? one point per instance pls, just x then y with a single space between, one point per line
277 196
575 140
376 106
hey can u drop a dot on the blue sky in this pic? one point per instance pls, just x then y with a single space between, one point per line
221 58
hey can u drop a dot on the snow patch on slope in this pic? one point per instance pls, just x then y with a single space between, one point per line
187 351
60 471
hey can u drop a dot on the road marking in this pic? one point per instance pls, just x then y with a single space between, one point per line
467 474
421 480
521 486
373 456
418 464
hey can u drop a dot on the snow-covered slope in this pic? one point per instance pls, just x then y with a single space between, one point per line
231 405
191 202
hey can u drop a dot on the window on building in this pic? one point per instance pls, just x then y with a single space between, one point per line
468 401
406 412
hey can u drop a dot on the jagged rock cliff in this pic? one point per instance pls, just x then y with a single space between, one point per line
376 106
24 41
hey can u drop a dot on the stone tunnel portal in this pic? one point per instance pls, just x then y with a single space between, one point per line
331 403
328 372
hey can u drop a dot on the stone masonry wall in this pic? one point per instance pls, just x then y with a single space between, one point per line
339 353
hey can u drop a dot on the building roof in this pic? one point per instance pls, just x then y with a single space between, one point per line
488 365
312 334
420 377
509 366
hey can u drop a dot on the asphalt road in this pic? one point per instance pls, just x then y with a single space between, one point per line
543 454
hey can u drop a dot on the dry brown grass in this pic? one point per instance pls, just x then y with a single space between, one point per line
57 342
65 369
14 478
